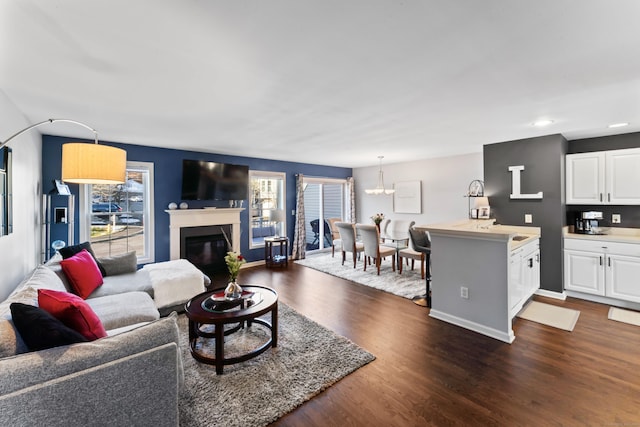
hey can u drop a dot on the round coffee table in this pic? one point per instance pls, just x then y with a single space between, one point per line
211 308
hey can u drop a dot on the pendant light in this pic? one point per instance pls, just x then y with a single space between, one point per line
380 187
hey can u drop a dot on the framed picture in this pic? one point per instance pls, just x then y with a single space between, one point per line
407 197
483 212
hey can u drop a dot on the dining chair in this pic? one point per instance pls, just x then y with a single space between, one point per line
349 244
372 248
409 253
335 234
384 226
421 243
395 226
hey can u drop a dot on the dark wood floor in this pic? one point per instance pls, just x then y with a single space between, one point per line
428 372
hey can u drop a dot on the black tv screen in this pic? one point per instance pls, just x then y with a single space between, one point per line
203 180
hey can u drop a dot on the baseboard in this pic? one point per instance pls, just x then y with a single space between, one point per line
249 264
552 294
605 300
475 327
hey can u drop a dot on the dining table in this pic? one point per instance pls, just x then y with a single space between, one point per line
396 239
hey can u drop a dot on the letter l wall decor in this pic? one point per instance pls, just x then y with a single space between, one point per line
515 185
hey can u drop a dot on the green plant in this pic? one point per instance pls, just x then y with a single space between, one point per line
234 261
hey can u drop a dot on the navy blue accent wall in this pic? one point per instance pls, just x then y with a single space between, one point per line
168 184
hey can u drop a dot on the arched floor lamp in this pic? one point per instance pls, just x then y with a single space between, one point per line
84 163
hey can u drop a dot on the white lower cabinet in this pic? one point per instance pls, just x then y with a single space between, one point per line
524 275
602 268
622 277
584 272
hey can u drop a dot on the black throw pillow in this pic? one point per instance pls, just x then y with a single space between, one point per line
40 330
69 251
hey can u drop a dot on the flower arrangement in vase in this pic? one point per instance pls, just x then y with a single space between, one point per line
234 261
377 219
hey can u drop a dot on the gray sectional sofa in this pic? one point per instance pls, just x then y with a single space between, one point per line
130 377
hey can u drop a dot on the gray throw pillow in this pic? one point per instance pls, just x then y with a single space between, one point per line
120 264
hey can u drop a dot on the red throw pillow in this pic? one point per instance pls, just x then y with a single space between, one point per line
73 311
82 272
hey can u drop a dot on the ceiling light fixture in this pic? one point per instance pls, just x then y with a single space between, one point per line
84 163
542 123
618 125
380 187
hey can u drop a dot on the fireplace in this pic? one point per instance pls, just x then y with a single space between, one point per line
206 247
199 232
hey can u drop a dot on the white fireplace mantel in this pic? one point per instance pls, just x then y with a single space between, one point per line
182 218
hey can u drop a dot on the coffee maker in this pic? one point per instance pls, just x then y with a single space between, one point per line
587 222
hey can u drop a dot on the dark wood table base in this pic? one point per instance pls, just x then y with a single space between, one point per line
243 317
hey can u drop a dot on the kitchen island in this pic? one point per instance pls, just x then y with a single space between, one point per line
482 274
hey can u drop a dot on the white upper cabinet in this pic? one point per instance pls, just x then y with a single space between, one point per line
585 178
623 177
603 178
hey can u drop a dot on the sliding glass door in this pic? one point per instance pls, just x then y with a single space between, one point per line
324 200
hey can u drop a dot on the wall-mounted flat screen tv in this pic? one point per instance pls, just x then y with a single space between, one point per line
203 180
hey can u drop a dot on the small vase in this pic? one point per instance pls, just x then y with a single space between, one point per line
378 226
232 291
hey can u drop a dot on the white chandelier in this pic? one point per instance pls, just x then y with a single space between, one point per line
380 187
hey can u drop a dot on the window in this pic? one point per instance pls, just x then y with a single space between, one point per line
117 219
267 202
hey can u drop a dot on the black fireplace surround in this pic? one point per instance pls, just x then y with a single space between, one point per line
205 247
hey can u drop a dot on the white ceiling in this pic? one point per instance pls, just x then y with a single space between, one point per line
335 82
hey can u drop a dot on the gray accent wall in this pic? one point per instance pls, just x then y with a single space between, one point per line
543 159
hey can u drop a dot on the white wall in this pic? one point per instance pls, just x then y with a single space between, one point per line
444 183
19 251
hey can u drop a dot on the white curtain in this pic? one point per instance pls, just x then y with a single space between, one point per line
299 235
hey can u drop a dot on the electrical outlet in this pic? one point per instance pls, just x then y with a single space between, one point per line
464 292
615 219
528 218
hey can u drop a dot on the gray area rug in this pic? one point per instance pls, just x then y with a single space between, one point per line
309 358
408 284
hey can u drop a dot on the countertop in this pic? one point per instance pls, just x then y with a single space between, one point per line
612 234
486 229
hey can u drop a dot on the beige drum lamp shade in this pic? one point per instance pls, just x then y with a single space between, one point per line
86 163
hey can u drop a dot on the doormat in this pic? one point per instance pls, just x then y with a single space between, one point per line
550 315
625 316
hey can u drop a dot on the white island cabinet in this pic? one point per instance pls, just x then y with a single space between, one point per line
483 274
524 275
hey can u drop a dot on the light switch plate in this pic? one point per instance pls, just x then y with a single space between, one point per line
615 218
528 218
